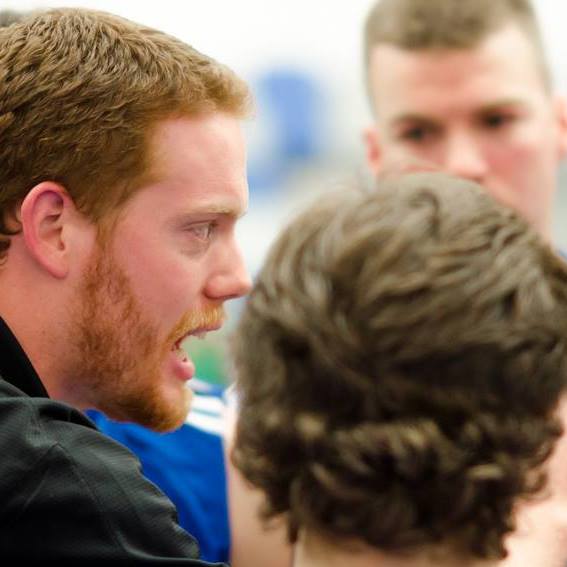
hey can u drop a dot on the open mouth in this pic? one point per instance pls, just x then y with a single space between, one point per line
198 333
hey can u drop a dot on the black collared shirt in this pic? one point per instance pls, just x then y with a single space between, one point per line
67 492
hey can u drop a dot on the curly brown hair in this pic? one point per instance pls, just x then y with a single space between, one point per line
80 94
399 363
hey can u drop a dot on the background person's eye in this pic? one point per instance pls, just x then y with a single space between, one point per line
415 133
497 119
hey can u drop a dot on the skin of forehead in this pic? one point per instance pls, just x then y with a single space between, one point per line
397 75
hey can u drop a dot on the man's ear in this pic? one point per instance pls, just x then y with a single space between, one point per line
45 214
373 150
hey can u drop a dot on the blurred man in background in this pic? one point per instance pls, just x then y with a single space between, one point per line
463 85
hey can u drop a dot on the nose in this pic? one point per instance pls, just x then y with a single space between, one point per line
464 158
231 278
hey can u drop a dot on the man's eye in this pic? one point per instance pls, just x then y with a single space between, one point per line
203 232
415 134
497 120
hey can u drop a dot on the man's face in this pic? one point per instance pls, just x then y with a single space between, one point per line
481 113
166 270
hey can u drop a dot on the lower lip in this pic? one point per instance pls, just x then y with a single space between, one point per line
182 369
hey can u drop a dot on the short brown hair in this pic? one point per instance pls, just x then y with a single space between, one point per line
449 24
399 362
79 94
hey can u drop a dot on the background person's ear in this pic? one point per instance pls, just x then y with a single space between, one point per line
373 150
45 215
561 113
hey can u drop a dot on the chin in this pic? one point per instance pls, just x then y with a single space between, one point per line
172 412
161 411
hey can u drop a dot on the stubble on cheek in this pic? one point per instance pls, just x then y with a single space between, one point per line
118 351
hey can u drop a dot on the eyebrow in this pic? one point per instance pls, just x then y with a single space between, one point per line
205 210
507 102
412 118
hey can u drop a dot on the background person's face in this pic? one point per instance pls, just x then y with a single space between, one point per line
482 113
172 257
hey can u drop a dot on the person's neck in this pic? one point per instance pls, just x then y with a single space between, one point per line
39 331
541 534
314 551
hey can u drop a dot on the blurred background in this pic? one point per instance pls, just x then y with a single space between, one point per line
302 59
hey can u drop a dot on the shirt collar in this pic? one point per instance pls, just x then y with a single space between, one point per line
15 367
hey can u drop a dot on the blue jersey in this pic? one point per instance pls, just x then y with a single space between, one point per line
188 465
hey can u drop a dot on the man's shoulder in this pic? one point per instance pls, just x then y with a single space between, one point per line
187 464
38 422
88 486
38 432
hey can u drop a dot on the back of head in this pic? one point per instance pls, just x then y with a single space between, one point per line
448 24
400 360
79 94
